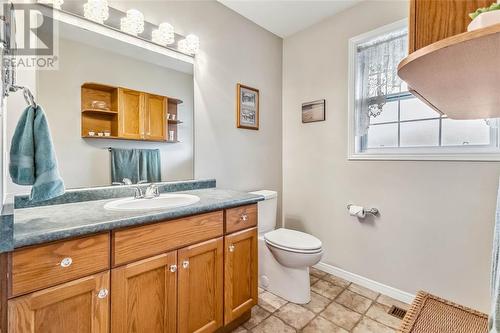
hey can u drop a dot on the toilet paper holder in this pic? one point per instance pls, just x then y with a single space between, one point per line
371 211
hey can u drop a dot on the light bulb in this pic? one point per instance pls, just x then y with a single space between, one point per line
193 43
96 10
133 23
56 4
182 46
164 35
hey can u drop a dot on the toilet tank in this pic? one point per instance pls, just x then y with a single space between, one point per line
267 210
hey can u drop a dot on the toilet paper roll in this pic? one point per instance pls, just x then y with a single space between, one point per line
357 211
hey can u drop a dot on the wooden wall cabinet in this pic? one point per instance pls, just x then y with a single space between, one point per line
433 20
130 114
198 281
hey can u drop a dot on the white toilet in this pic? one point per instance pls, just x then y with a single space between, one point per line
284 255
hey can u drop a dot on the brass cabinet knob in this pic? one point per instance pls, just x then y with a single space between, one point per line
185 264
231 248
173 268
244 217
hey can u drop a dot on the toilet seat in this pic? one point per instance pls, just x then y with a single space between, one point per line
293 241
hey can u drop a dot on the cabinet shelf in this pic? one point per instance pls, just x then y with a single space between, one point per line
113 137
457 76
170 121
101 111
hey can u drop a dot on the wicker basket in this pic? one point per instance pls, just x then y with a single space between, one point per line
431 314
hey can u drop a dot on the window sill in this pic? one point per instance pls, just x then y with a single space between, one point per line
482 157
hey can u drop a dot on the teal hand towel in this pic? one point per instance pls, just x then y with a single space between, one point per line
33 158
136 165
124 164
150 165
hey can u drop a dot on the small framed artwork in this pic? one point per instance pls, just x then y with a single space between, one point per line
313 111
247 111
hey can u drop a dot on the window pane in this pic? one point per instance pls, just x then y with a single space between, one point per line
465 132
389 114
413 108
380 136
420 133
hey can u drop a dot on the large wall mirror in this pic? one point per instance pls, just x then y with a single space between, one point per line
92 69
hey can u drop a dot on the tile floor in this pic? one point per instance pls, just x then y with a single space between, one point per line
337 306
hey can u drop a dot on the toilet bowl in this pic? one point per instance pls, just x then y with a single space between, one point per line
285 255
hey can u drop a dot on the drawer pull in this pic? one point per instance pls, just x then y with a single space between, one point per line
66 262
103 293
185 264
231 248
244 217
173 268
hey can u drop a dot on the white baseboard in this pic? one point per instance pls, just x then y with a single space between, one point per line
367 283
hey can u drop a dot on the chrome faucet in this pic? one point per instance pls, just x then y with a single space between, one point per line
138 193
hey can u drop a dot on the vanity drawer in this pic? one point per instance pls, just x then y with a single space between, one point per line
240 218
39 267
142 242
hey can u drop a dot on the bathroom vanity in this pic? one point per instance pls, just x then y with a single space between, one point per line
187 269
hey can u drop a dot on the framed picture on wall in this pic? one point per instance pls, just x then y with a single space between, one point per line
313 111
247 110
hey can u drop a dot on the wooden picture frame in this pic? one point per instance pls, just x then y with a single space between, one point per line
314 111
247 107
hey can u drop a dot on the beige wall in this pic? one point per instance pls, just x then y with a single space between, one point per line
435 228
232 50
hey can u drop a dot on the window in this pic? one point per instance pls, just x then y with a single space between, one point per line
387 122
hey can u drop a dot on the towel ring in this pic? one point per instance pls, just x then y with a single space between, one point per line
28 96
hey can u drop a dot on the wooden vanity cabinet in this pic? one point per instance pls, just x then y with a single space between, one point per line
180 276
144 295
200 292
240 273
78 306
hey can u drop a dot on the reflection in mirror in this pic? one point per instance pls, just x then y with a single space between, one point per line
99 99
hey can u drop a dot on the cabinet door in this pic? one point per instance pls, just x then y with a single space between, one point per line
240 273
155 120
200 287
80 306
144 297
130 114
433 20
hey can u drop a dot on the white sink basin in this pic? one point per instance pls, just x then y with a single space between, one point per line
164 201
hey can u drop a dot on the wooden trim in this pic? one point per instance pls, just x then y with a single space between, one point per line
412 26
4 276
238 110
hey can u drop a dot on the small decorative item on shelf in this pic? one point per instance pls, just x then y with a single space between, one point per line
171 135
107 133
100 134
133 23
168 116
485 17
91 133
101 105
247 107
173 117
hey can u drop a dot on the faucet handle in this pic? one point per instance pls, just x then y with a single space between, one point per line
138 193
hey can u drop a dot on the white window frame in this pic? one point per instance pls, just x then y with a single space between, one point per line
457 153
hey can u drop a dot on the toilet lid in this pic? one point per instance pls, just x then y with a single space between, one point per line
292 239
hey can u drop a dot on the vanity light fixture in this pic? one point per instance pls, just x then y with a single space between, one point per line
193 43
56 4
133 23
164 35
96 10
182 46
